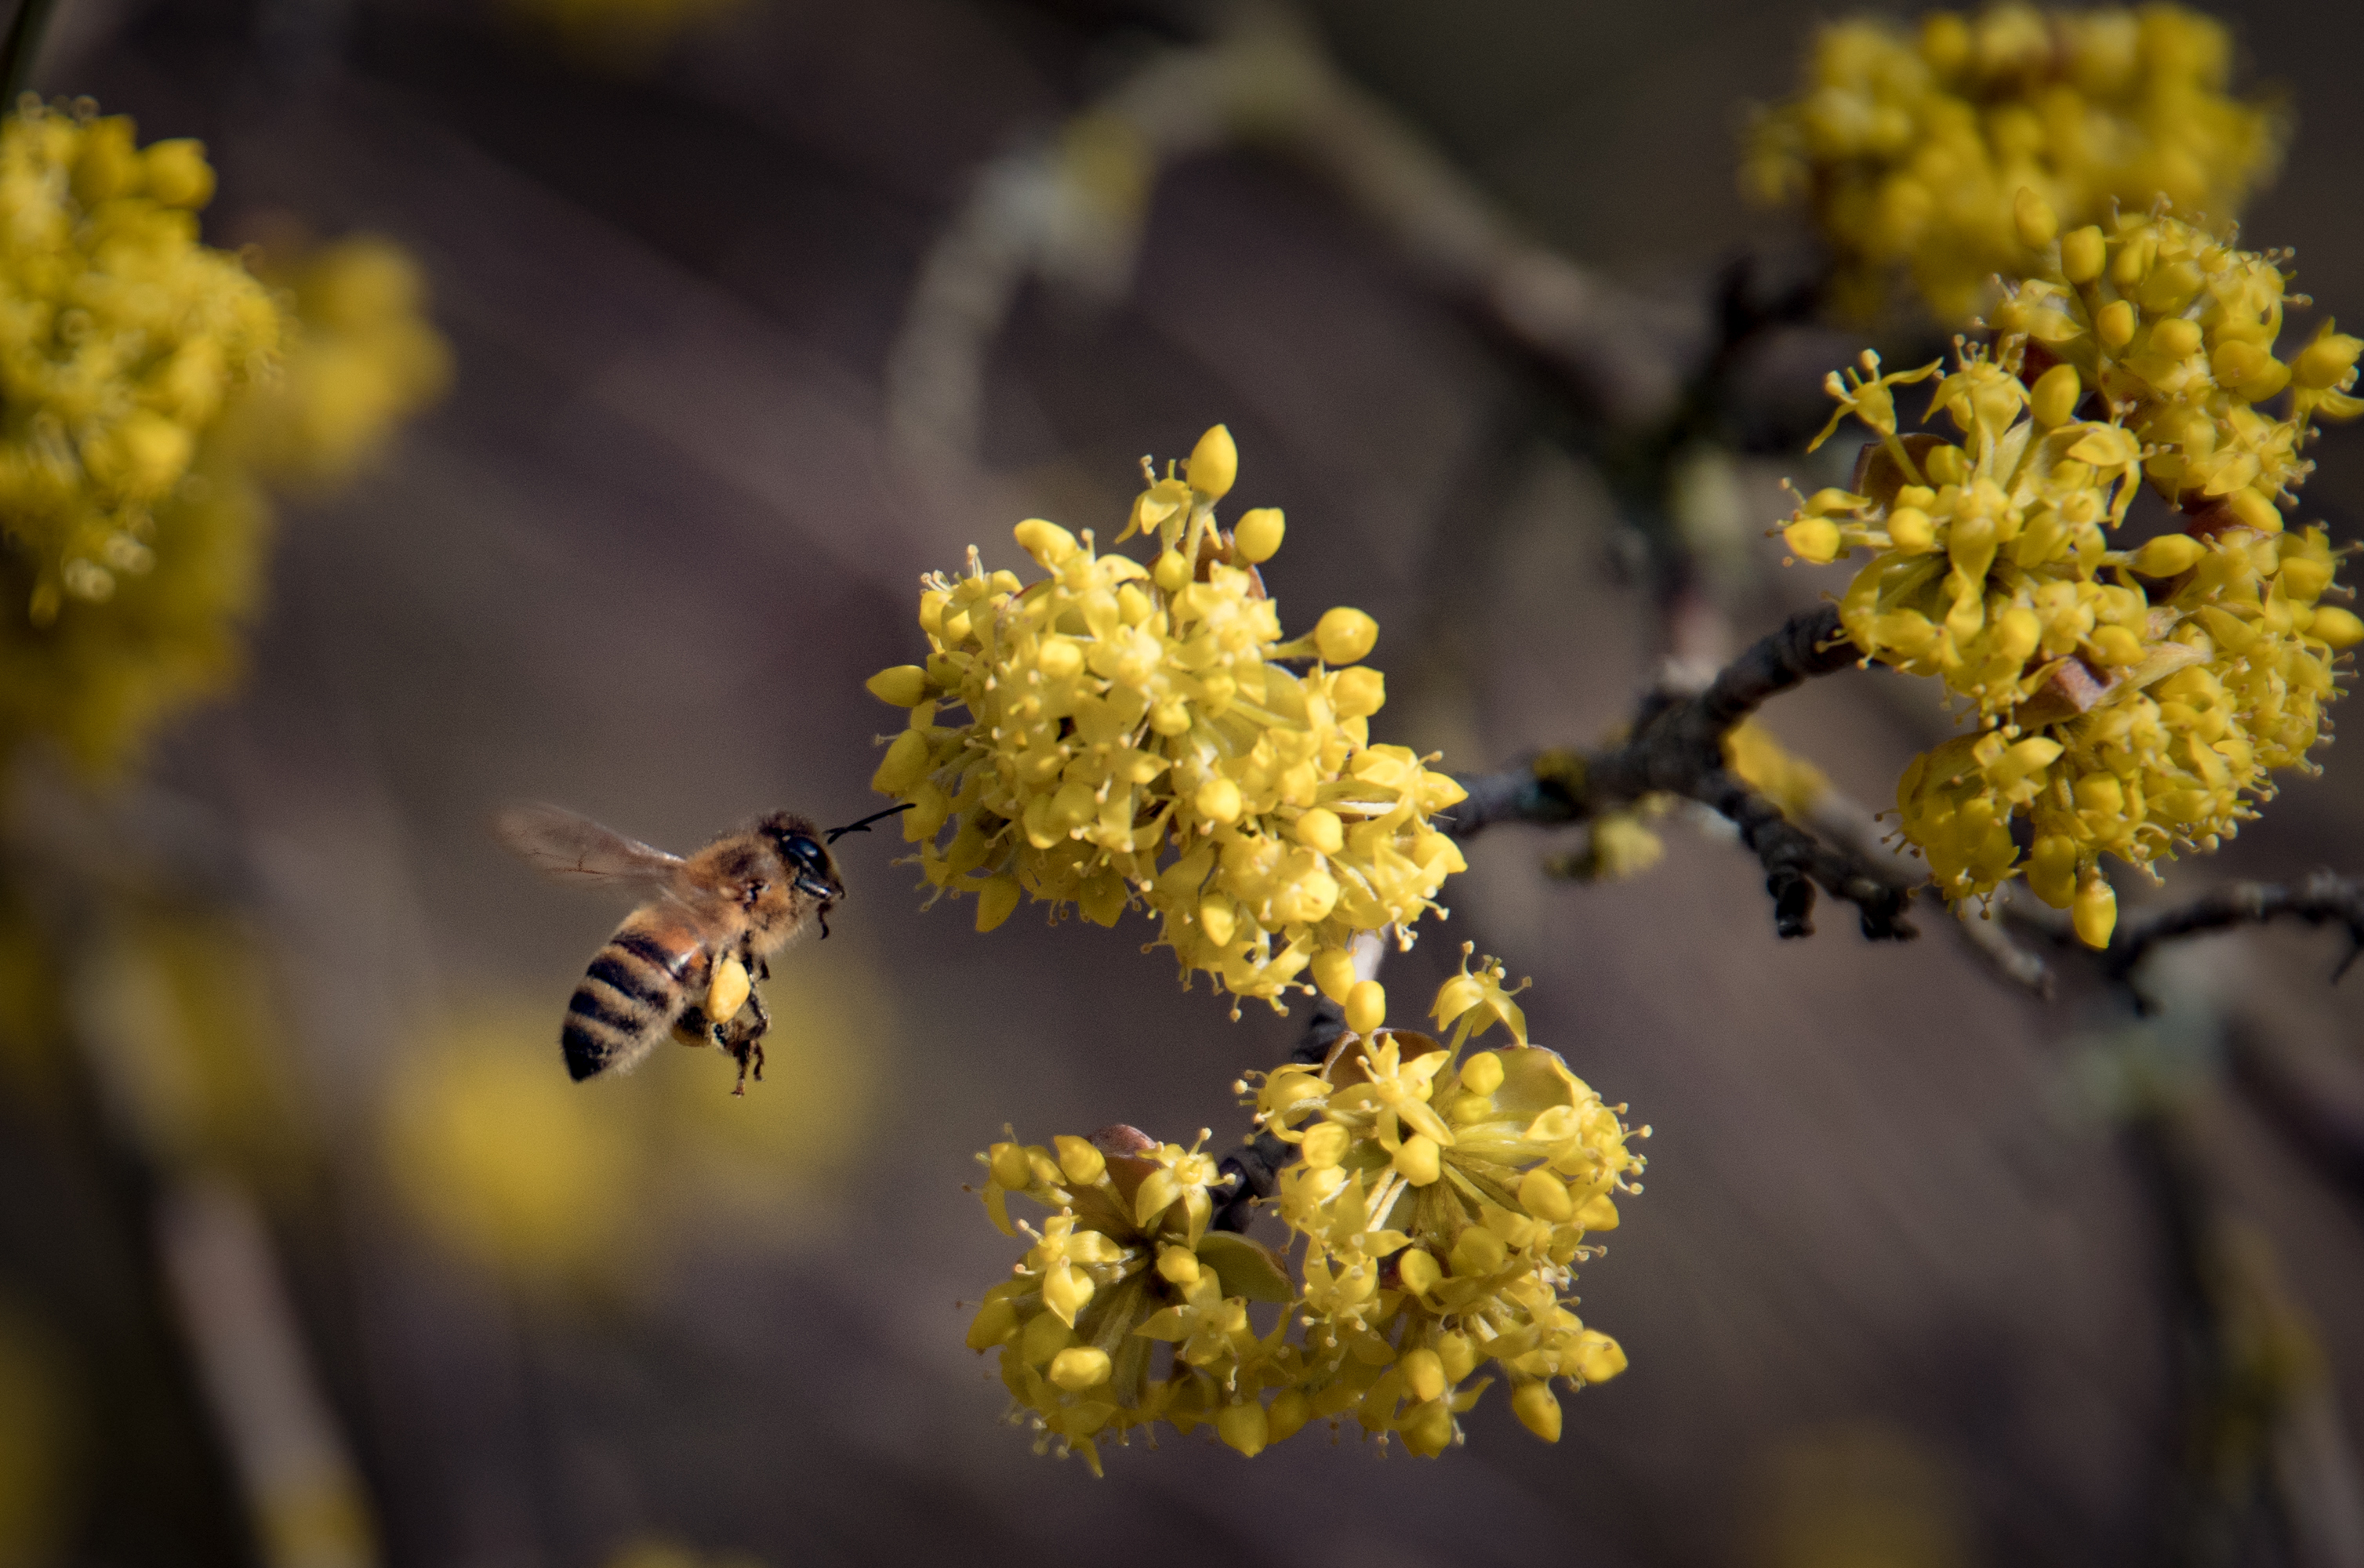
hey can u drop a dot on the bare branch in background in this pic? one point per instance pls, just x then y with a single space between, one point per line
2322 899
1676 748
1072 210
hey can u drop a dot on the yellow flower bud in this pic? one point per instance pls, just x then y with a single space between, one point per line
2339 628
2095 912
1417 1268
1320 829
2116 324
1009 1166
177 173
2034 218
1326 1145
2052 870
1047 542
996 902
1478 1252
1077 1158
1420 1160
2176 337
1214 464
2056 395
1177 1266
904 686
2083 252
1172 573
1482 1074
1367 1005
2117 646
2017 631
1537 1410
2326 362
2168 555
2304 579
1218 800
1545 1195
1599 1357
1291 1408
1333 973
904 764
1423 1373
1065 1289
2255 510
1910 529
1816 539
1344 635
994 1323
1079 1367
1257 536
1244 1426
1218 918
1359 693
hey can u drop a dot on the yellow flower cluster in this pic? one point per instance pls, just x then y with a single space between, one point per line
1443 1203
122 338
363 361
1124 1263
1909 150
2128 701
145 382
1137 734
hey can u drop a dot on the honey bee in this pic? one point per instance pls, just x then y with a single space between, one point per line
685 960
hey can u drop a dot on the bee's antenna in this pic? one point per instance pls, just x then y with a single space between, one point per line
864 826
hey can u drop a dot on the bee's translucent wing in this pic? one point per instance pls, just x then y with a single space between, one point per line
576 848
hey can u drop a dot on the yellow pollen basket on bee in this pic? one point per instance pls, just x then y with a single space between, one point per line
1143 736
2130 703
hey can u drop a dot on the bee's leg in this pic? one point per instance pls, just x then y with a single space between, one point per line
760 1025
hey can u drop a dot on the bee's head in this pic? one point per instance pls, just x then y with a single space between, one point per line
802 850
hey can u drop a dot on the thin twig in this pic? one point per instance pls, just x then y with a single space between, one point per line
1072 209
2322 899
22 49
1676 748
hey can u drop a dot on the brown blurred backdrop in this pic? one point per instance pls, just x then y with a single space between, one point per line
1899 1292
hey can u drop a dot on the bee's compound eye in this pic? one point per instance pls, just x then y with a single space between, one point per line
808 853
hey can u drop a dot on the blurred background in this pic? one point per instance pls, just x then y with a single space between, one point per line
757 309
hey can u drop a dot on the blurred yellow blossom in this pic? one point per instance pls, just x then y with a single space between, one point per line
1910 149
1444 1200
1124 1263
146 379
1136 735
502 1159
2127 702
1772 770
364 359
121 339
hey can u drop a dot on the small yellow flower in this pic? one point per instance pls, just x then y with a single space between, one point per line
1132 738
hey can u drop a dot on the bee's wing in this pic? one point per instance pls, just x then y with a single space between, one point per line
576 848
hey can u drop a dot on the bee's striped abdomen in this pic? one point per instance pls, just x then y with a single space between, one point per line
631 994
